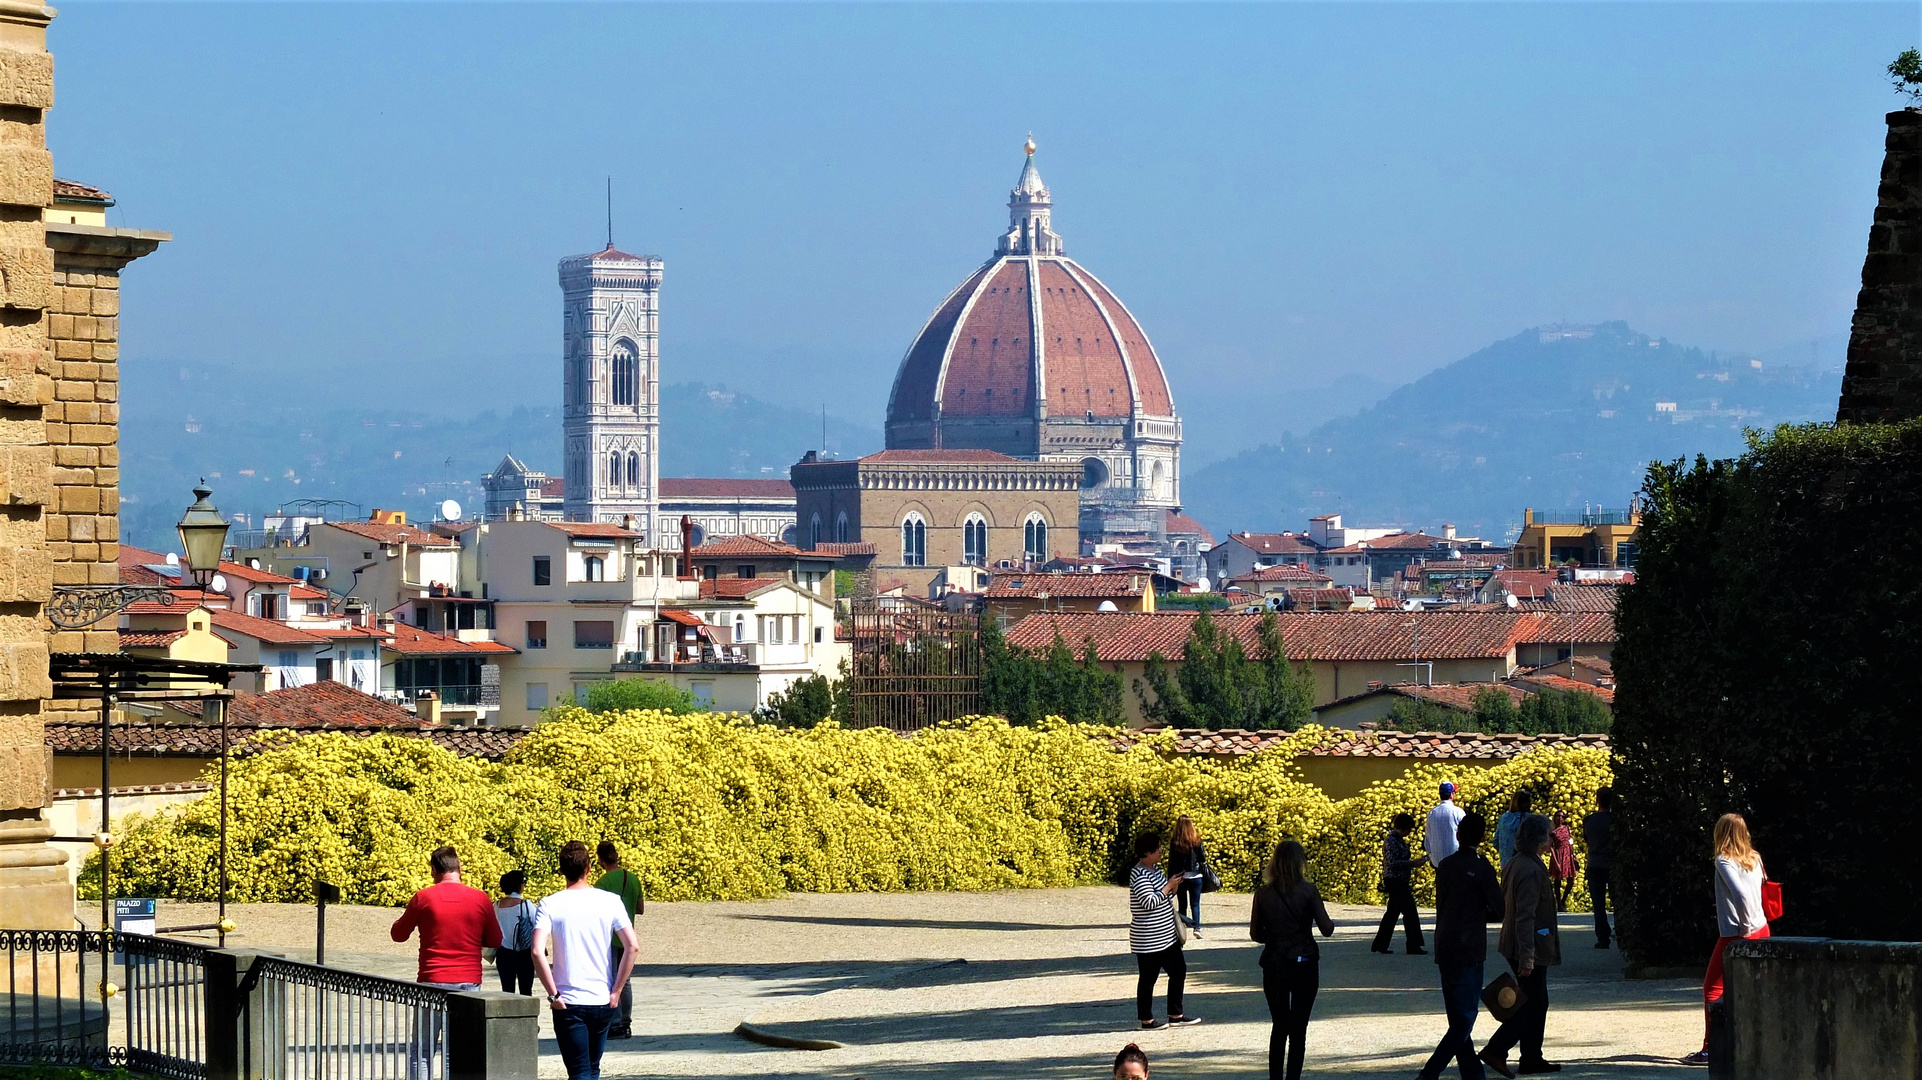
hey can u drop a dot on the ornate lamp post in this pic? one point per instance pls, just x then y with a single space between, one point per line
203 533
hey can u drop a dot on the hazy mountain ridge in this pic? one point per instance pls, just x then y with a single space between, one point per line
259 446
1555 416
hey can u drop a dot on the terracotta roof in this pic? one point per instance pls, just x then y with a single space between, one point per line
1312 597
267 630
72 191
1331 635
185 600
1453 695
936 457
306 592
1285 543
1005 586
1567 685
1387 744
704 487
597 529
1567 597
324 702
349 632
149 639
258 577
1538 627
745 545
852 547
1526 583
413 641
381 532
729 588
194 739
1283 572
555 487
1177 522
685 618
610 253
1596 664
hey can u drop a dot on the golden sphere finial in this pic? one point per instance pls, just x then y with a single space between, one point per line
1030 146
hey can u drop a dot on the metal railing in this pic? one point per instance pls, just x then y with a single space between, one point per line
319 1023
60 992
1596 516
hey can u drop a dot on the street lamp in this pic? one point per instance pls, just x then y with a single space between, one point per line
202 532
203 536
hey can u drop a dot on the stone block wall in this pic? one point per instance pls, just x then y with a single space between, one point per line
1820 1009
34 892
1883 380
83 525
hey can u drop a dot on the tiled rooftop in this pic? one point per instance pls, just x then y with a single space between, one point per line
383 533
1114 583
1234 742
1330 635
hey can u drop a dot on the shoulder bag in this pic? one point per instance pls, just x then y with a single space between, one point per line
1771 899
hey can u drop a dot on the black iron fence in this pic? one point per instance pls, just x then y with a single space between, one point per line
912 666
98 998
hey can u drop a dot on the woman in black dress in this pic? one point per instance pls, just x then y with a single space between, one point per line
1186 855
1288 910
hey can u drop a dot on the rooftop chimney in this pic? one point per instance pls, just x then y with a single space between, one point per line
687 548
427 707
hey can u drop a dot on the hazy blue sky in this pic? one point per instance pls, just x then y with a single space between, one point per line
369 201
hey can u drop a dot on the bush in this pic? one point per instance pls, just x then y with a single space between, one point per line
1758 670
1222 686
622 695
810 700
717 807
1025 685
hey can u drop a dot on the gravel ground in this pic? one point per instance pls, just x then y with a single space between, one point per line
1045 988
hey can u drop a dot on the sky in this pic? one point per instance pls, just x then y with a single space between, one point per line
1298 201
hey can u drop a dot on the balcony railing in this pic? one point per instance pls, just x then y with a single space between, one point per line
449 695
1585 517
742 654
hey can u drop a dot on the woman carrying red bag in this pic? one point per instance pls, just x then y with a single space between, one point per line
1739 908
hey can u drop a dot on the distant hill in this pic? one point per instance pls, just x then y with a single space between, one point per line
1557 416
261 444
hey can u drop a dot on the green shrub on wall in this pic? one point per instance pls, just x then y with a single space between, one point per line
1765 665
717 807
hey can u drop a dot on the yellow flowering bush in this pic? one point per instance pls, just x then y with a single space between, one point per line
707 806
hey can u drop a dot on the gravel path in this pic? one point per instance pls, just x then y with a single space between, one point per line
1045 989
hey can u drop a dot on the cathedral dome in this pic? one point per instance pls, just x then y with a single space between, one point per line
1031 339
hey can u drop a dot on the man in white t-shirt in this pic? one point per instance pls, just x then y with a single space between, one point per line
582 984
1439 837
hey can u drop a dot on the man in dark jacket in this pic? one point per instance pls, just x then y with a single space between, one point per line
1468 896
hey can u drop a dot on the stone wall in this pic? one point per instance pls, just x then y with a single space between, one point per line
1819 1009
34 892
1883 380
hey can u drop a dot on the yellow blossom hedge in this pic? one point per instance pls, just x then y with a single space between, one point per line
713 807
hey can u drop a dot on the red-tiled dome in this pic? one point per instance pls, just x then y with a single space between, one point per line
1030 329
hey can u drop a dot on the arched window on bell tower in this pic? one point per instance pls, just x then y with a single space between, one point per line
625 374
634 470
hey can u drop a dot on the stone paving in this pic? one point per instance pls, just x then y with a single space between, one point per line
1019 984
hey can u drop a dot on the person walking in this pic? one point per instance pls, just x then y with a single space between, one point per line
1531 943
1561 860
514 960
1396 867
1287 912
1468 896
1131 1063
1601 859
1510 824
1738 908
455 921
583 984
1438 839
1187 856
626 885
1153 936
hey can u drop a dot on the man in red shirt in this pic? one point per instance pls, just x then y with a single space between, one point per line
456 922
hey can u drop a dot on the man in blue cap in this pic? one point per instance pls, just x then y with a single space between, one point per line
1439 837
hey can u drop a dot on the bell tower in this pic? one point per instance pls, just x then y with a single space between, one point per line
610 364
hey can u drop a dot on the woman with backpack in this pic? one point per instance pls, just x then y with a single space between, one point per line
1187 856
515 958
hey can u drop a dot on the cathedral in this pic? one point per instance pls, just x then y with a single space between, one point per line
1033 357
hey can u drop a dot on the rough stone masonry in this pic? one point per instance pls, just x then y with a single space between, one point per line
1883 380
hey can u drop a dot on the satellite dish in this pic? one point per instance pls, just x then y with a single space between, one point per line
1201 584
1107 605
1512 601
1411 604
219 583
173 559
449 510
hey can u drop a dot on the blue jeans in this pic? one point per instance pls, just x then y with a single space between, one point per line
1188 900
1461 987
581 1031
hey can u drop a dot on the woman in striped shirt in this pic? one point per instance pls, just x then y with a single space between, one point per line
1152 935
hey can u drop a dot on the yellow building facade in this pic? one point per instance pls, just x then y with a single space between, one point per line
1595 537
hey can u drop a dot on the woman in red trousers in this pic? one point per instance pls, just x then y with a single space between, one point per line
1738 906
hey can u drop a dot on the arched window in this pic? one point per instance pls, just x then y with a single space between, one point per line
626 373
814 532
841 527
634 469
1034 538
614 469
914 541
1157 478
974 540
592 568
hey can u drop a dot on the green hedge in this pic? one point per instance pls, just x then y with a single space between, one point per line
1766 664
